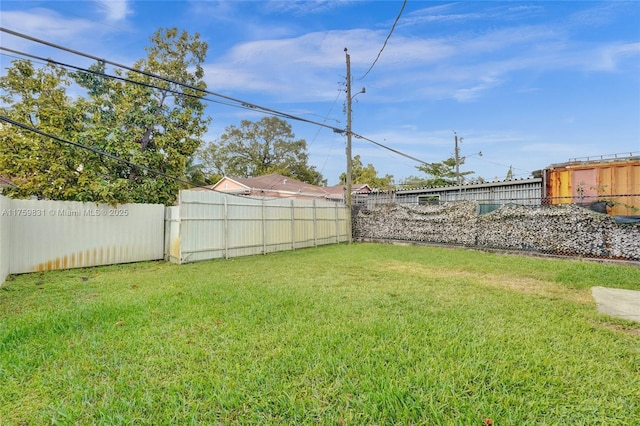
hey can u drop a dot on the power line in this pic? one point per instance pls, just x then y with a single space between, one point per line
242 103
238 103
386 40
326 117
318 132
99 152
505 165
99 73
124 79
139 83
357 136
148 85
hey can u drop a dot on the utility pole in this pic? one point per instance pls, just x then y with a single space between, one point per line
349 182
457 153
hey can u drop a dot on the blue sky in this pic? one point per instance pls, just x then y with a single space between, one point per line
527 83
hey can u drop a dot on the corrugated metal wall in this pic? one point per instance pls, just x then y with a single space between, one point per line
618 182
210 225
525 192
5 236
508 192
47 235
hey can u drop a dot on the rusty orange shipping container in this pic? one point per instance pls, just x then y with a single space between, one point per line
616 181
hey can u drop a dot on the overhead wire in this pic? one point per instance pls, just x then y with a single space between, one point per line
393 27
505 165
238 103
124 79
148 85
395 151
242 103
100 152
318 132
116 77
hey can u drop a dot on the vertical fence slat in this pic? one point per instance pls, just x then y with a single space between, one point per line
226 229
293 225
264 226
315 225
5 237
205 225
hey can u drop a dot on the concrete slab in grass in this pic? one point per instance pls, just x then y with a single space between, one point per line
618 302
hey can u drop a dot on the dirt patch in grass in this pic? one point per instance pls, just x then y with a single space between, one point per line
512 282
621 326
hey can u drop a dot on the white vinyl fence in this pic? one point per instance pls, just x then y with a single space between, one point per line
210 225
37 235
5 237
40 235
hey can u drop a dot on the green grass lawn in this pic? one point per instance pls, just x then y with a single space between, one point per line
360 334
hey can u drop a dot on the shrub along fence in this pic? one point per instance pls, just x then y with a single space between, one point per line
548 229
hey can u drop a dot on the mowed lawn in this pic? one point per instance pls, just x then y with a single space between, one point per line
359 335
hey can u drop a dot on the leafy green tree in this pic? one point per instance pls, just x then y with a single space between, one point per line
193 173
158 126
443 173
259 148
415 182
40 166
366 175
477 180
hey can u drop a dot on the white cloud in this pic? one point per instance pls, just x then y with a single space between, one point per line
601 14
114 10
471 93
45 23
462 66
608 57
303 7
310 66
441 13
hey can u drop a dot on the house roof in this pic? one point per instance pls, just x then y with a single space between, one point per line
358 188
276 185
336 192
271 184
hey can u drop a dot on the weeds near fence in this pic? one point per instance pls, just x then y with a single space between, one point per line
360 334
